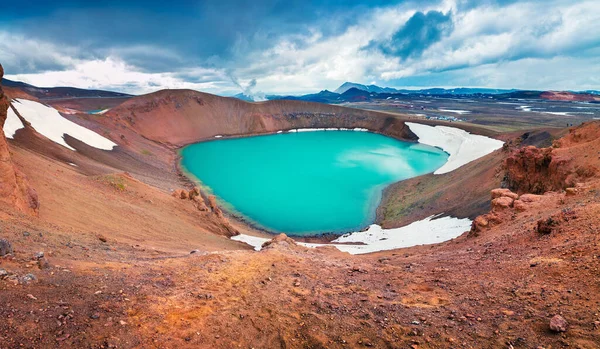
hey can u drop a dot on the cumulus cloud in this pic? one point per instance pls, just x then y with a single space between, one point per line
418 33
494 43
471 41
20 54
115 74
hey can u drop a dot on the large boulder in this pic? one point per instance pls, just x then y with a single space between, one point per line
212 202
558 324
14 187
502 203
281 241
194 193
199 203
5 247
503 192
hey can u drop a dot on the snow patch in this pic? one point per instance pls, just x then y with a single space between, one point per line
309 129
561 113
295 130
461 112
253 241
430 230
462 146
101 112
12 124
524 108
48 121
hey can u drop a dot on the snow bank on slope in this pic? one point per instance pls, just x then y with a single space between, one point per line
12 124
462 146
101 112
430 230
47 121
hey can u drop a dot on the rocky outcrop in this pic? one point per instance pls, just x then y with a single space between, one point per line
14 188
504 204
535 170
281 242
198 200
212 202
195 196
571 160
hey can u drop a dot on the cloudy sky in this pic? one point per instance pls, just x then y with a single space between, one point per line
301 46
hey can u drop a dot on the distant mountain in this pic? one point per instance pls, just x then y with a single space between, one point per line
462 91
430 91
324 96
370 88
590 92
61 92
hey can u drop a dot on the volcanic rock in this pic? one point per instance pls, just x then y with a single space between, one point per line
480 223
520 205
500 192
571 191
43 263
558 324
502 203
530 198
27 279
280 240
547 226
5 247
212 202
199 202
194 193
538 170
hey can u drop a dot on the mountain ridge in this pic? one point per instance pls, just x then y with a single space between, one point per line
62 91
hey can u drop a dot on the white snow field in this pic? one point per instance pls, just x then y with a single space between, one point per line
462 146
12 124
427 231
48 121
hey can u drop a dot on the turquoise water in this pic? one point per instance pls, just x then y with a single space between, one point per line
308 182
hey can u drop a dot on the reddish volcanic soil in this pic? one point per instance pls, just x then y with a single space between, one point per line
133 287
569 96
125 264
